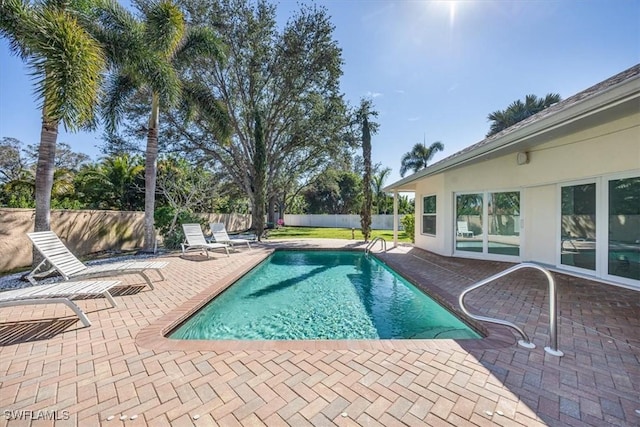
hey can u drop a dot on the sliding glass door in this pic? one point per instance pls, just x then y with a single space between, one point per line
624 228
503 235
488 223
469 222
600 228
578 226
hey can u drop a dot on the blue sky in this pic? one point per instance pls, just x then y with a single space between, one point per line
434 69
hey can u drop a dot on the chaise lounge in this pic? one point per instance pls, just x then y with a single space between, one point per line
220 235
194 240
61 259
59 293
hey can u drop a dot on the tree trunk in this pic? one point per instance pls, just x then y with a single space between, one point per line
44 179
271 210
365 217
260 178
150 173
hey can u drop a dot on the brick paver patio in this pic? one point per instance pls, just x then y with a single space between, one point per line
122 371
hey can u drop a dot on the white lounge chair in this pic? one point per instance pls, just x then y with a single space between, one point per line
60 258
59 293
220 235
463 229
194 240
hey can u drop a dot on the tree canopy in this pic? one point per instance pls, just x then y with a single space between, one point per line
289 75
518 111
419 156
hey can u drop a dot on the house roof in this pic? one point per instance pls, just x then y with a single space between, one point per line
621 91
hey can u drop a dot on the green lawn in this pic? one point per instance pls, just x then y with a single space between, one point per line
331 233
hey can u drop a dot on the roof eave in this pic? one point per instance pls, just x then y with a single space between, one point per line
623 92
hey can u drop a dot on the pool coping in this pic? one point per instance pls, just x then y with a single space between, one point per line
154 336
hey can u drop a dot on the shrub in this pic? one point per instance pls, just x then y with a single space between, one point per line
409 224
173 236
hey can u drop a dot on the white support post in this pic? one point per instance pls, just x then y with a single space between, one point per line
395 218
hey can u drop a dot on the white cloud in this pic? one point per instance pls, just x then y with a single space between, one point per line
373 94
413 119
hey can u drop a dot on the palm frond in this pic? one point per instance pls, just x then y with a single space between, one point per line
66 66
118 31
160 76
16 20
164 26
119 87
199 98
199 42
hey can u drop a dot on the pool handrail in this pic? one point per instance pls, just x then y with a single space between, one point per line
373 242
553 311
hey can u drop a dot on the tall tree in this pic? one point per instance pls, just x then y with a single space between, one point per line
290 74
66 63
364 112
518 111
16 175
334 192
65 157
147 56
419 156
12 163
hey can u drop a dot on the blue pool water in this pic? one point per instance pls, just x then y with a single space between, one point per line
298 295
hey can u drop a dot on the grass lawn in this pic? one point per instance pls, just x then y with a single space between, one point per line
332 233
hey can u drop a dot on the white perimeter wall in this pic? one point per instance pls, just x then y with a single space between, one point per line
378 222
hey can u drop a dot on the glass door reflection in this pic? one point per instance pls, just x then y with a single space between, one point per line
578 226
469 233
624 228
504 223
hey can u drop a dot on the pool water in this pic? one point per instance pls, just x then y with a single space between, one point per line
302 295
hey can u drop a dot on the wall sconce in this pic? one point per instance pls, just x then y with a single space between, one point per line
522 158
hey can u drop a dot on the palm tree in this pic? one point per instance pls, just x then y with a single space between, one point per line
367 128
377 183
419 156
66 63
114 183
146 57
518 111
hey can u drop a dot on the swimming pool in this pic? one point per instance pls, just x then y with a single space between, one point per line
332 295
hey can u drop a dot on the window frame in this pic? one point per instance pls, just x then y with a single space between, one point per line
433 214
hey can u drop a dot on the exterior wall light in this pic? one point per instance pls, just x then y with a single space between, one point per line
522 158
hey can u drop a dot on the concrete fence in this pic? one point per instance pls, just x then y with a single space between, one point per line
84 231
378 222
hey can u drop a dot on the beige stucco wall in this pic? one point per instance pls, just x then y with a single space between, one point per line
428 187
600 151
84 232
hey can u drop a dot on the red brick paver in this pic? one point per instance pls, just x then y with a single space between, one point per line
122 364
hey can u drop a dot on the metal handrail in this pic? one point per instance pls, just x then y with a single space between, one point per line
553 311
373 242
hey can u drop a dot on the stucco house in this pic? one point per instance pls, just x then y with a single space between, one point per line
561 188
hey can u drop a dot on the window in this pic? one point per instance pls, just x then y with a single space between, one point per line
429 215
488 223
